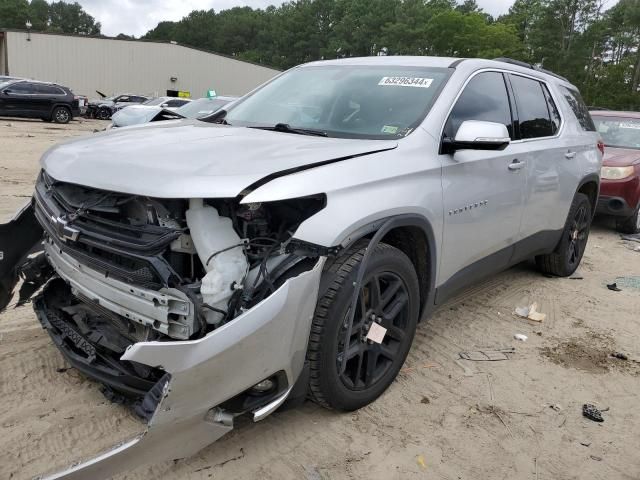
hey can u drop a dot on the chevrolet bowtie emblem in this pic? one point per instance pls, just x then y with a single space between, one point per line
64 231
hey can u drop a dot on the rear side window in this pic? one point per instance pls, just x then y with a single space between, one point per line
553 110
484 98
579 108
533 112
49 90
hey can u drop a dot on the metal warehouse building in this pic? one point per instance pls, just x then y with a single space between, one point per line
86 64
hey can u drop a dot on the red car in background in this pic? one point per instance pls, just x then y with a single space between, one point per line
620 177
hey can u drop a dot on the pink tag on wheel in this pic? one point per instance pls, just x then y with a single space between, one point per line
376 333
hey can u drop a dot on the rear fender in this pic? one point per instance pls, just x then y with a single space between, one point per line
18 237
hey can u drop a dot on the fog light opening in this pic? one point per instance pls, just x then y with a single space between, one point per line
263 387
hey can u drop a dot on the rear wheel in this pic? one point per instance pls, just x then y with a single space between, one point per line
61 115
348 371
630 224
568 254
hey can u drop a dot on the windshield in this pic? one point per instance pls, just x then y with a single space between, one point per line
155 101
618 131
201 107
348 101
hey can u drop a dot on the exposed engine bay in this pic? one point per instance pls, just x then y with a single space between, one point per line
137 269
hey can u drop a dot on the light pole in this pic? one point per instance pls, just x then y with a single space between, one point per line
28 25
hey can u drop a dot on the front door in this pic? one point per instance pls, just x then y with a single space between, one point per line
482 190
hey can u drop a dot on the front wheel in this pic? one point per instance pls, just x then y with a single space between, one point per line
348 370
568 254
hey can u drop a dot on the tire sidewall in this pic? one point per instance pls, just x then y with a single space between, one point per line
336 392
579 200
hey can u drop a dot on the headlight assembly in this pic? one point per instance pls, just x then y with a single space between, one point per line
616 173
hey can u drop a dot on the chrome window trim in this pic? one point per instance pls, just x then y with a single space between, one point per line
503 71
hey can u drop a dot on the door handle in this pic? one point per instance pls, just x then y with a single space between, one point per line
516 165
569 155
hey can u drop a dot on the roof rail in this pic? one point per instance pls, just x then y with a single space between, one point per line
530 66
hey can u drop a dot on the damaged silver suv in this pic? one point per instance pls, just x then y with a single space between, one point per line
287 247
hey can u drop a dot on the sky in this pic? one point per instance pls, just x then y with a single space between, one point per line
137 17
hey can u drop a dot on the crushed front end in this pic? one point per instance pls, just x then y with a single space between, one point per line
193 311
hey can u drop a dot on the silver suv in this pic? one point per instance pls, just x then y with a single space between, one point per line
287 247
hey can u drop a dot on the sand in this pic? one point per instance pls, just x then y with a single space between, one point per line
443 418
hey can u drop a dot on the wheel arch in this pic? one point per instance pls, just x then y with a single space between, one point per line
590 186
414 236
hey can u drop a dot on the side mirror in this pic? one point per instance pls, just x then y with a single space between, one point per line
478 135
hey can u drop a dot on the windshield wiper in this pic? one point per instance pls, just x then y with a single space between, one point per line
286 128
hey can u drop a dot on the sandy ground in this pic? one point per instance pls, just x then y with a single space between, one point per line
443 418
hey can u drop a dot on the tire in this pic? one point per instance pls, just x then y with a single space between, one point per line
630 224
103 114
568 254
369 371
61 115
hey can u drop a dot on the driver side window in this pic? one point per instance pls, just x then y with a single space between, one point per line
484 98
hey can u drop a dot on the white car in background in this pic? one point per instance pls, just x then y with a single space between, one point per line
148 112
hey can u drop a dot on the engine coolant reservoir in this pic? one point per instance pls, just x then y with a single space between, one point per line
211 235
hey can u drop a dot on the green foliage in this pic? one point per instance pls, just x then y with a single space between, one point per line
59 17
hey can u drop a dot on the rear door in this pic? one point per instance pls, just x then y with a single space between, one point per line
482 190
538 129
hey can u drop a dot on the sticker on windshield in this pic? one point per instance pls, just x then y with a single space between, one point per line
419 82
389 129
634 125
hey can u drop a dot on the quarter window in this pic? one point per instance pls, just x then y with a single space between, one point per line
484 98
533 112
579 108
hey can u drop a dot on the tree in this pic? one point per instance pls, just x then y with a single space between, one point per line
71 18
14 13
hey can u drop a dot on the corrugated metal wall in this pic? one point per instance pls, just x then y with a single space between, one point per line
119 66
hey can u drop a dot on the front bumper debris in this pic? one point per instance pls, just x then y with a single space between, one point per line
17 239
269 338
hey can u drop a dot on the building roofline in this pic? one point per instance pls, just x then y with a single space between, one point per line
141 40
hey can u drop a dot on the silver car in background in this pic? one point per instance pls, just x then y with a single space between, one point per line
167 110
286 246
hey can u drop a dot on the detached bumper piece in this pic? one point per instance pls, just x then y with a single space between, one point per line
17 239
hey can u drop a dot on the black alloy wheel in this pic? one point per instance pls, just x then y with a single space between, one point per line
350 368
383 300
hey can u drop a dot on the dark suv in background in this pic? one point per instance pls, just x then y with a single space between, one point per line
32 99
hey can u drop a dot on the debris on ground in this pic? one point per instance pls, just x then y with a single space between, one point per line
487 355
635 237
620 356
585 444
531 313
628 282
592 413
597 459
613 287
425 400
555 406
521 337
421 463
